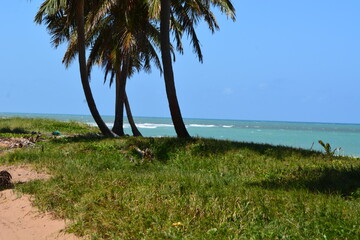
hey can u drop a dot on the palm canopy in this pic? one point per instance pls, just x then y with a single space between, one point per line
119 37
185 15
114 29
106 18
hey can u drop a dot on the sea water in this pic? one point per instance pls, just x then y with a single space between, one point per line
345 137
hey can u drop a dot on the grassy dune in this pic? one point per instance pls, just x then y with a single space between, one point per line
190 189
24 126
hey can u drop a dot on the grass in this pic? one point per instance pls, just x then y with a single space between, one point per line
193 189
10 127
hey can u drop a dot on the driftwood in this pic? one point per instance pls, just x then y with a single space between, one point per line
145 154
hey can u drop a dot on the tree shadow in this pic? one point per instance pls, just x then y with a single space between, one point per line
204 147
14 131
214 146
163 147
326 180
79 138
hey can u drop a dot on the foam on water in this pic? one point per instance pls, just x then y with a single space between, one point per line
153 125
146 125
109 125
201 125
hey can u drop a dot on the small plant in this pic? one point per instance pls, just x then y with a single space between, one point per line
327 147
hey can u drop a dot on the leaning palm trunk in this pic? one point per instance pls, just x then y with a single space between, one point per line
83 71
121 77
134 129
168 70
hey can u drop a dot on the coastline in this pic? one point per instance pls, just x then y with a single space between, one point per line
295 134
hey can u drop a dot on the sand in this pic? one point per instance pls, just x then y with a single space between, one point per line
19 219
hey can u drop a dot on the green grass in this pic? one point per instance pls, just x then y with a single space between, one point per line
194 189
12 127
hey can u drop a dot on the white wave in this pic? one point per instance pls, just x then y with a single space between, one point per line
93 124
153 125
201 125
139 125
164 125
146 126
228 126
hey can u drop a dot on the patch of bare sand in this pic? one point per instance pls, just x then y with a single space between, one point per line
19 220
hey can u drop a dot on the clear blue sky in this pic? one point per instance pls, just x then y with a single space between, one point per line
281 60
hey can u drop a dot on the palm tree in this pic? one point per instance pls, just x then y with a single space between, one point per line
71 14
83 70
168 70
123 41
59 28
184 15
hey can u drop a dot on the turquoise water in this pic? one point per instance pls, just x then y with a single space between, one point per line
295 134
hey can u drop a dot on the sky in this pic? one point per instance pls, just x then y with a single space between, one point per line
280 61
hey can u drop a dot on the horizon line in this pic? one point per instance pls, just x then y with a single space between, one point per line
190 118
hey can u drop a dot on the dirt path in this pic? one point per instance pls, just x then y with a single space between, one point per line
19 220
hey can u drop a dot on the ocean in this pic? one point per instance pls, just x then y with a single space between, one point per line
345 137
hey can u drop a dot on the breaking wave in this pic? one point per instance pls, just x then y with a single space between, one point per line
201 125
153 125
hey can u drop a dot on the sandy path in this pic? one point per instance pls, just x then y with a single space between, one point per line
19 220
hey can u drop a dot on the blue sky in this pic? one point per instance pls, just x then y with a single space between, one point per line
281 60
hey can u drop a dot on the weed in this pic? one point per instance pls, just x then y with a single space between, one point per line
327 147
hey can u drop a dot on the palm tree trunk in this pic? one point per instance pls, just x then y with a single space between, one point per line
134 129
83 71
168 70
121 77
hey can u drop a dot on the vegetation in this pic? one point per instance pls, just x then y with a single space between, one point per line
327 148
169 188
125 35
27 126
